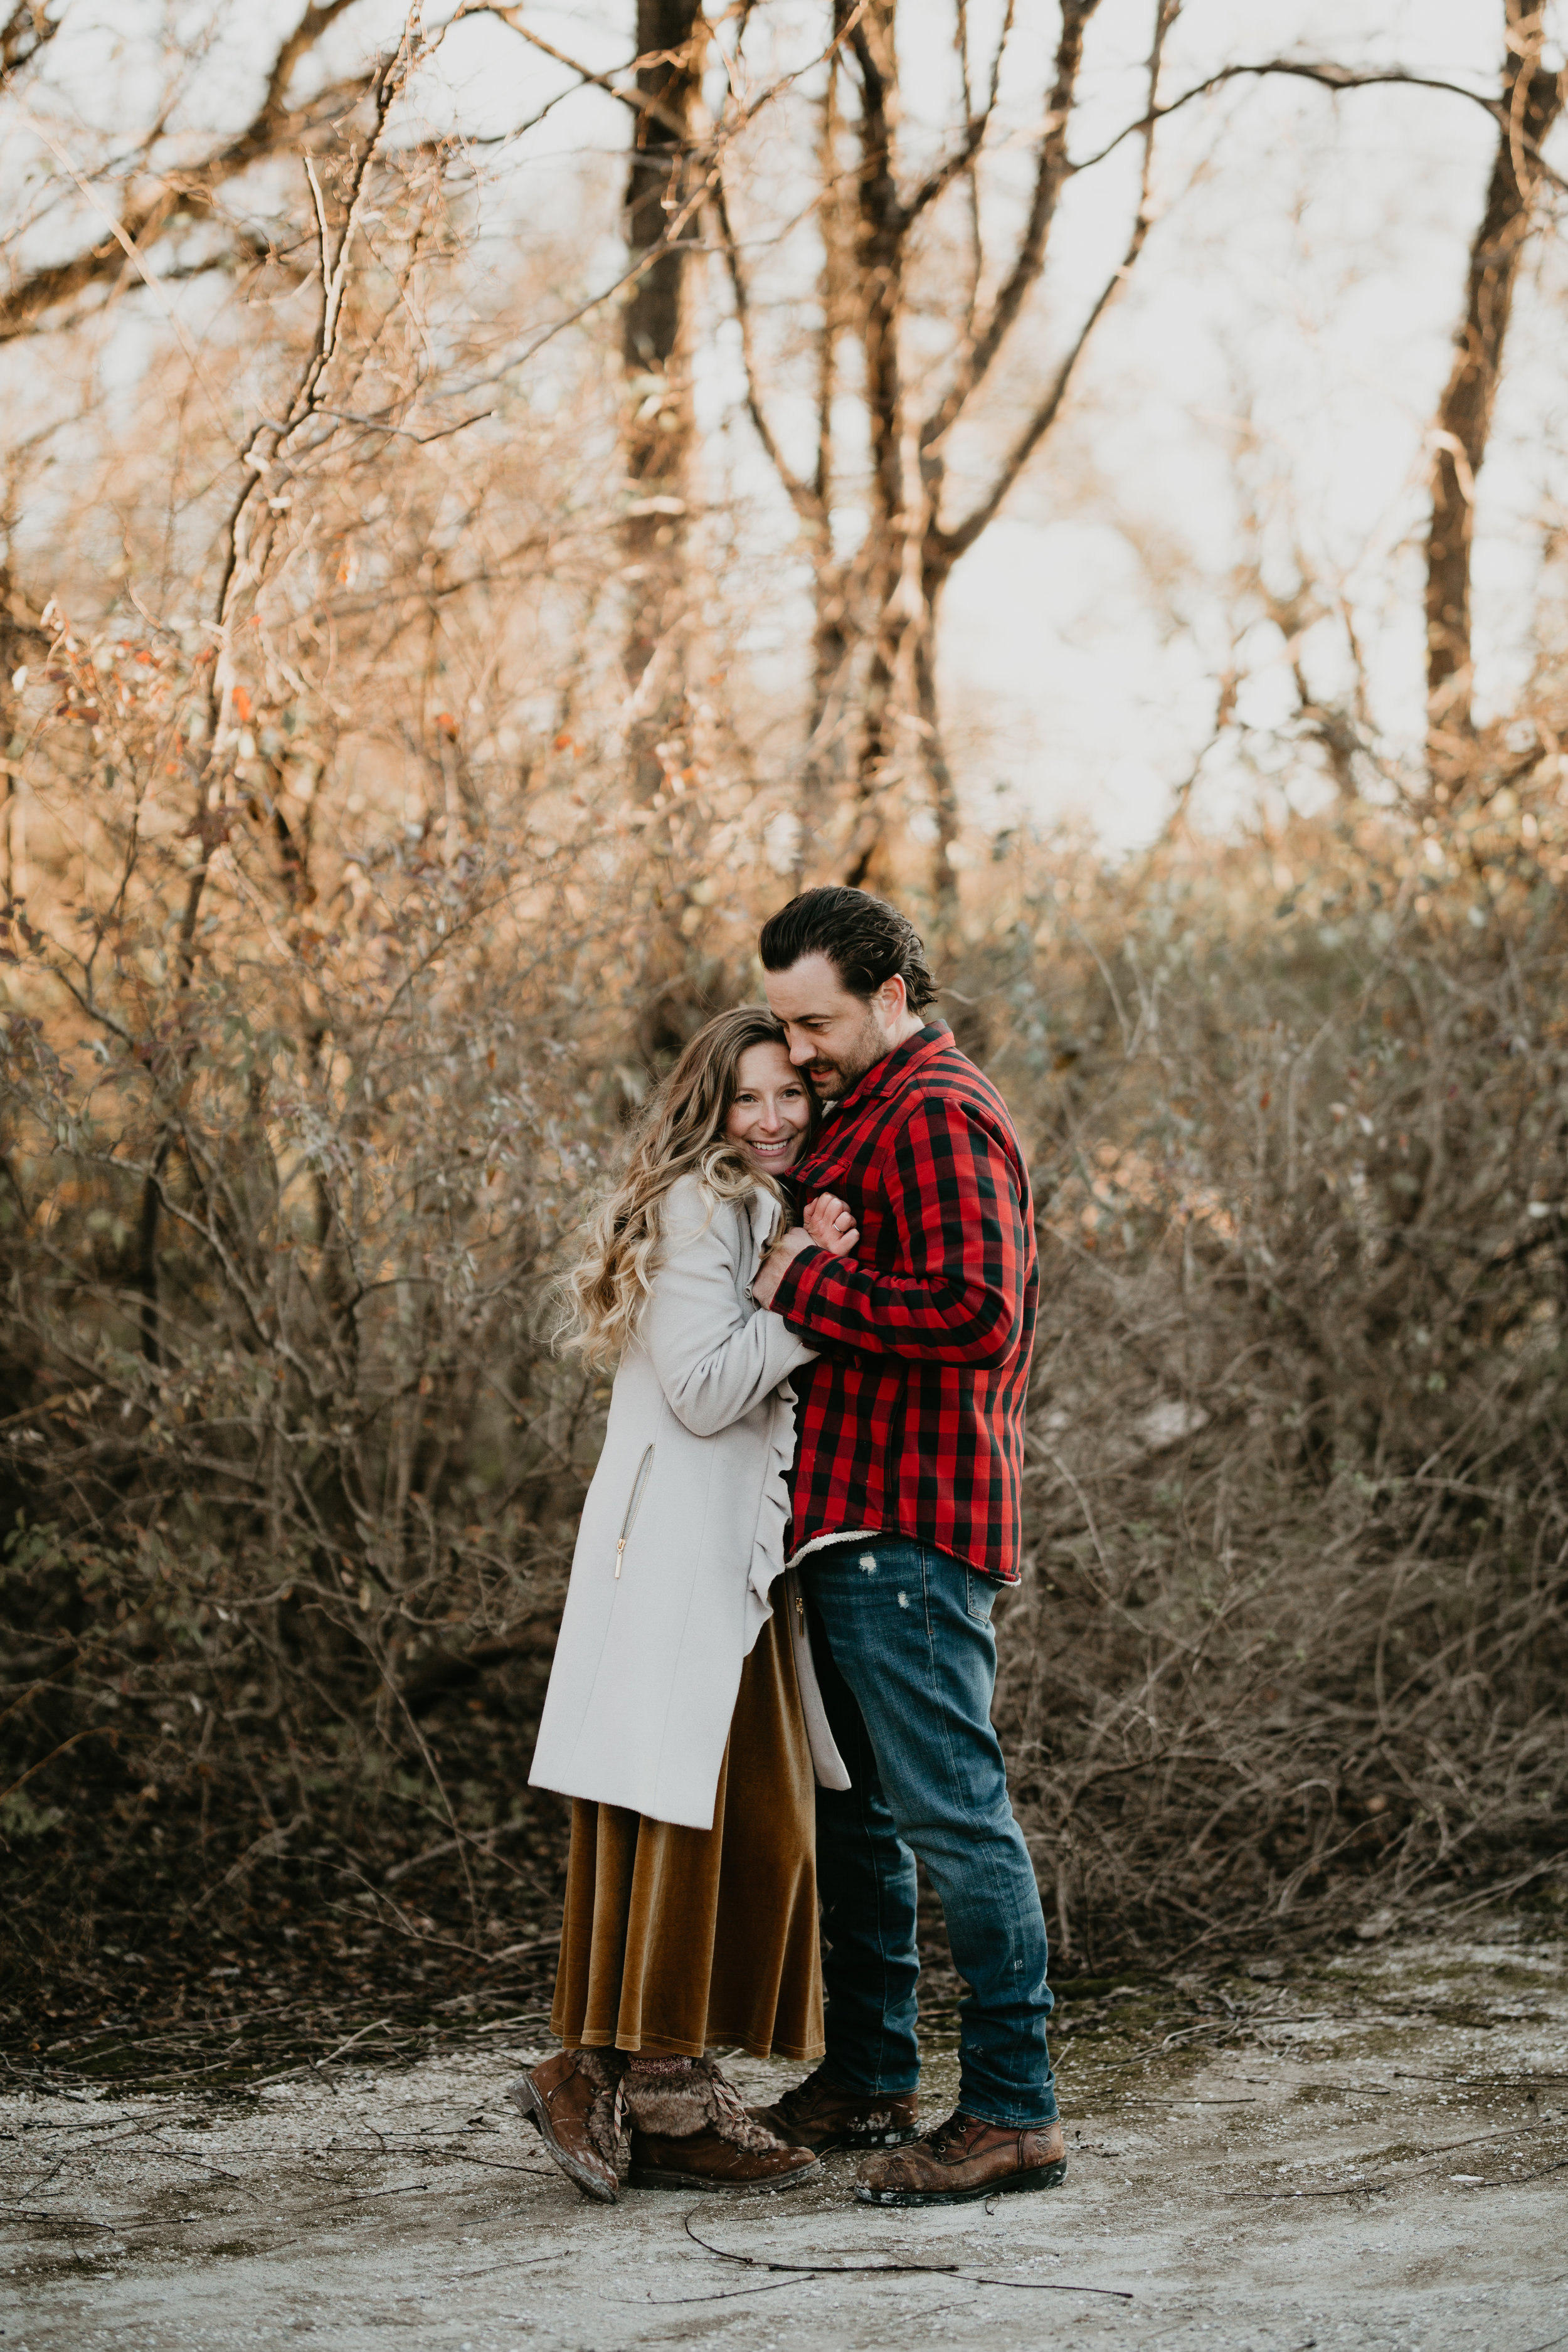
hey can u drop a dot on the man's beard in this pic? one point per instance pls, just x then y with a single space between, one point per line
831 1079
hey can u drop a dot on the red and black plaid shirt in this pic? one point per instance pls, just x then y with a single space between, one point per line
912 1419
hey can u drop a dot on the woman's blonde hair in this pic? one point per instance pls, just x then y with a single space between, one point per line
681 1133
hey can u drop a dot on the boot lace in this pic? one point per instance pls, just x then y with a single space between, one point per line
951 2137
727 2098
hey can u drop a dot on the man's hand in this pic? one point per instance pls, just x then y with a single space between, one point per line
769 1274
831 1225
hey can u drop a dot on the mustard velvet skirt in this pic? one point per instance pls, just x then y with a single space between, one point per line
681 1941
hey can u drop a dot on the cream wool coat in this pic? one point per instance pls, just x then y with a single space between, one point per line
682 1533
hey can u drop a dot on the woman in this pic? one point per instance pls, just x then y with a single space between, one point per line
683 1717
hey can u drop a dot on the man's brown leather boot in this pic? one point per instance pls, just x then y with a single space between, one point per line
690 2131
820 2115
574 2103
964 2158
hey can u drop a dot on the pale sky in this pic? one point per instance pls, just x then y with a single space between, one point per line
1280 347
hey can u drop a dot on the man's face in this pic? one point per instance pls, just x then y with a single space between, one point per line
835 1036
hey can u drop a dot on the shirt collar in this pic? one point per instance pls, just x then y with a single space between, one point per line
894 1069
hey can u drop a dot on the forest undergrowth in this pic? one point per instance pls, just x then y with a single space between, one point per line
290 1467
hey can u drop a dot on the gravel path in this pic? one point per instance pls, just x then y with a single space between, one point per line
1369 2151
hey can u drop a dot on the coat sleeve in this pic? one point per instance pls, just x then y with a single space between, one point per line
956 1292
713 1364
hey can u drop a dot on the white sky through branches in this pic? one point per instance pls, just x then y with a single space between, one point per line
1256 402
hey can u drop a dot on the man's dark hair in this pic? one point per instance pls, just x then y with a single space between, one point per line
864 939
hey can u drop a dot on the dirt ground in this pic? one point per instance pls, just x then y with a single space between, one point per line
1367 2150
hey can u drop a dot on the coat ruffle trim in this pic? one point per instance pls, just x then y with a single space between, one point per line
773 1511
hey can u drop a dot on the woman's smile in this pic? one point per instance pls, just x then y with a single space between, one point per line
770 1116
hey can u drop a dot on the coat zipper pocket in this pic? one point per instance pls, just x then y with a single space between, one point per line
638 1483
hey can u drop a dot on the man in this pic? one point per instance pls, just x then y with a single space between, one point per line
905 1502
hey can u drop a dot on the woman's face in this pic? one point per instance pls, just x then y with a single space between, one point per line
770 1115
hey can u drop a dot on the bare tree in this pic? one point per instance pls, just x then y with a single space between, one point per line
874 719
875 636
1532 100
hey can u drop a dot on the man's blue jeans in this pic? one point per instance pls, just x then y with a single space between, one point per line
907 1657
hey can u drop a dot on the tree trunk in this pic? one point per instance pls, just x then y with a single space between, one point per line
881 227
825 771
934 759
659 429
907 556
1533 97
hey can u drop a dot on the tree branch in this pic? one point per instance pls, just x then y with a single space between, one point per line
132 253
954 543
181 194
800 494
1052 171
705 162
640 101
24 32
1332 78
946 171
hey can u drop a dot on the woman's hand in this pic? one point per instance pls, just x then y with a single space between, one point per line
775 1258
831 1225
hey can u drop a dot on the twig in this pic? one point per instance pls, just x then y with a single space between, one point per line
180 2157
93 1731
494 2164
313 2065
133 254
1519 2179
933 2270
423 440
1283 2195
729 2294
409 2188
73 2220
1336 78
1159 2099
77 1401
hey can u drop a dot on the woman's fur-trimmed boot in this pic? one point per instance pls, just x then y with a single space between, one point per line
575 2102
690 2131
